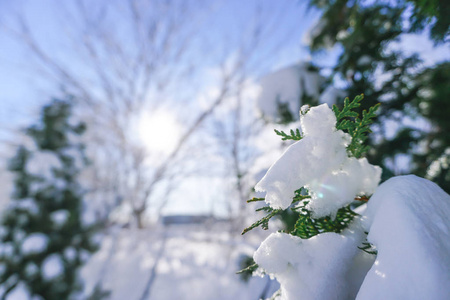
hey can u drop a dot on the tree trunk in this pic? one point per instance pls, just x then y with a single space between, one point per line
139 216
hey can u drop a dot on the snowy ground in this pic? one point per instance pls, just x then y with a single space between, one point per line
176 262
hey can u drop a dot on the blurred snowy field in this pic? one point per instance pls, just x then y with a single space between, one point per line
174 262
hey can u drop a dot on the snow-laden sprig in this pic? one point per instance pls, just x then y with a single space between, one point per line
325 165
264 222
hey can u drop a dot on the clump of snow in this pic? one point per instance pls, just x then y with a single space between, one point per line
19 292
339 188
70 253
35 243
18 235
287 86
31 269
314 31
52 267
42 163
364 60
320 163
6 249
315 268
60 217
84 255
28 204
408 219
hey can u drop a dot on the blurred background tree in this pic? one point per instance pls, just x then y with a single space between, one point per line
411 132
137 69
44 237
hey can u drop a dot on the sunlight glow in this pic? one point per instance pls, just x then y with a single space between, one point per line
159 132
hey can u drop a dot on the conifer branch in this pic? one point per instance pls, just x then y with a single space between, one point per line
299 196
307 227
294 135
362 198
265 208
368 247
349 121
250 268
255 200
264 222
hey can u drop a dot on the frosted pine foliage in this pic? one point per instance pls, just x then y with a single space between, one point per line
320 163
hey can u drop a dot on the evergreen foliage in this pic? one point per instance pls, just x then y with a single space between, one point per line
365 31
43 239
433 159
433 13
264 222
294 135
306 226
348 121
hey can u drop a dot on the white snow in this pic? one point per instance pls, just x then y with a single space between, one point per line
19 292
6 249
364 60
314 31
196 263
35 243
52 267
70 253
408 222
315 268
408 219
31 269
320 163
42 162
60 217
18 235
28 204
287 86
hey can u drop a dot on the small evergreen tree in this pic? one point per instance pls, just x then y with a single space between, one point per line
43 238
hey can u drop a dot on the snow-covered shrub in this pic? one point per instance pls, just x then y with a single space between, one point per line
42 235
336 250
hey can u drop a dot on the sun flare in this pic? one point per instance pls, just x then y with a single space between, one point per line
159 132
